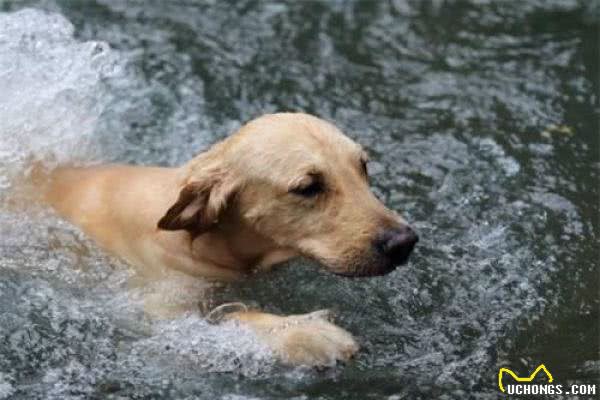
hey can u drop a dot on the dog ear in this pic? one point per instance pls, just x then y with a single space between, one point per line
199 205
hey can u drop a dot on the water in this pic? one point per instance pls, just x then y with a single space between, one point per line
481 119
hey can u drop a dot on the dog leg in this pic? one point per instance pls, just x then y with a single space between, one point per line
307 339
173 295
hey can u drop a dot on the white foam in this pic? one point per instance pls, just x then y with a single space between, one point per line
191 342
51 92
6 389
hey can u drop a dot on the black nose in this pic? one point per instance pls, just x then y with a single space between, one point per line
397 243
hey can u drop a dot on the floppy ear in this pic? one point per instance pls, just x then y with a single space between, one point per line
199 205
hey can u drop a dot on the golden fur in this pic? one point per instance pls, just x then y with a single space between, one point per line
235 209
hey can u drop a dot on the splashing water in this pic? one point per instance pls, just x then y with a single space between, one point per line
50 92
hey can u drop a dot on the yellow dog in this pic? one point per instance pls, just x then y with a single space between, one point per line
284 185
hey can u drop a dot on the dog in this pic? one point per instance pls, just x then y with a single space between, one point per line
284 185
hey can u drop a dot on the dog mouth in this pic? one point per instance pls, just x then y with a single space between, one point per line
380 267
372 263
390 249
361 274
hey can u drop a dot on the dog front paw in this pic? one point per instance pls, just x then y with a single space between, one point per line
315 343
307 339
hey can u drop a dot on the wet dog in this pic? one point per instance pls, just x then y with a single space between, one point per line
284 185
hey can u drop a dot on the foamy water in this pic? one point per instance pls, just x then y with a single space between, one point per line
50 90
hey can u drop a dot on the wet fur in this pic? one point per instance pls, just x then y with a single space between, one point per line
229 212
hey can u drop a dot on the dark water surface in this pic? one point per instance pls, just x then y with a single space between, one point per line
481 119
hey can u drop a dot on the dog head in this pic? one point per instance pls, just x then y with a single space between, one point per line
299 183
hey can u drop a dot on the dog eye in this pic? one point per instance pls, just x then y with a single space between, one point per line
310 190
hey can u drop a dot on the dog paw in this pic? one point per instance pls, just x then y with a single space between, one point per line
306 339
311 340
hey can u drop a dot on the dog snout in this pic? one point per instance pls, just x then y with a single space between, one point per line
397 243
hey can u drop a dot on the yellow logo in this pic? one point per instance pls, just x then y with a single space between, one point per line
530 378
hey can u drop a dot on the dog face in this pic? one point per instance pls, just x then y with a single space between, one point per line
299 182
